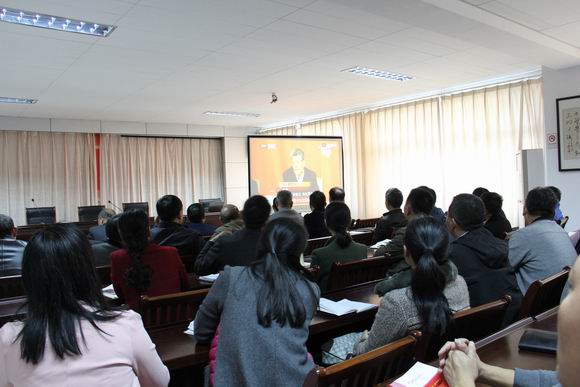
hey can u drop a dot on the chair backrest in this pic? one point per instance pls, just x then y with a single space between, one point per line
369 369
365 238
314 244
364 223
544 294
171 309
473 324
104 273
343 274
11 286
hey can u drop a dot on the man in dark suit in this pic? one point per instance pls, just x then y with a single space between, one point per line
239 248
98 233
102 249
481 258
298 171
11 249
392 219
171 232
495 219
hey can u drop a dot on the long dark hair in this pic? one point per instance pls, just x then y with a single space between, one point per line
337 217
426 240
62 288
278 266
134 230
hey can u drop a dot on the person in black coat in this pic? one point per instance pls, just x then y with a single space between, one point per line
481 258
495 219
299 173
314 221
98 233
239 248
171 232
102 249
392 219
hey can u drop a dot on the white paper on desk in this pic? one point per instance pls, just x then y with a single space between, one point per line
109 292
209 277
344 306
190 328
421 375
380 244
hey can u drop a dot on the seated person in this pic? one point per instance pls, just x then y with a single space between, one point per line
196 216
542 248
170 230
419 203
481 258
558 216
79 340
495 220
98 233
462 367
11 249
257 317
285 210
392 219
314 221
239 248
336 194
275 204
341 247
142 267
231 220
102 250
436 212
426 305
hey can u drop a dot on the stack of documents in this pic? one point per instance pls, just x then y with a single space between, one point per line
190 327
209 277
109 292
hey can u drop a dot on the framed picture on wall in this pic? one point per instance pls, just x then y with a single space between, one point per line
568 133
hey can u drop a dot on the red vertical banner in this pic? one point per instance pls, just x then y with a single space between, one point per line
98 164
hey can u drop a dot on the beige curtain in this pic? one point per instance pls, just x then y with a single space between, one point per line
452 143
140 169
56 169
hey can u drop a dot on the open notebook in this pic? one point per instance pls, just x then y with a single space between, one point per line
344 306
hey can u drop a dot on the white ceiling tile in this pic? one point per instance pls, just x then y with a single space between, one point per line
569 33
555 13
517 15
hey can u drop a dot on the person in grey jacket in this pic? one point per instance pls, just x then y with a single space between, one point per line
462 367
263 313
426 242
11 249
542 248
285 210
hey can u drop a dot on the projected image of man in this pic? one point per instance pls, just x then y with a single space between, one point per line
298 172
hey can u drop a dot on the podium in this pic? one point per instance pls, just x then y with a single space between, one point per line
89 213
139 206
41 215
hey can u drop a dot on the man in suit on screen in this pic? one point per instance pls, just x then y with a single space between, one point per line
298 171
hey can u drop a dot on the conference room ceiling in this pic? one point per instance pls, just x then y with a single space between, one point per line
172 60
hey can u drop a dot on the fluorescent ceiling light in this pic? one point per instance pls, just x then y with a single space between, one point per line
232 114
358 70
25 101
34 19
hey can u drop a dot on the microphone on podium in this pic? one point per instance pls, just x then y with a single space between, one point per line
33 202
116 207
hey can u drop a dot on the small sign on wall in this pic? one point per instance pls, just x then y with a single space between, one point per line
552 138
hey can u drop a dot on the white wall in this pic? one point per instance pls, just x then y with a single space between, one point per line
559 84
235 142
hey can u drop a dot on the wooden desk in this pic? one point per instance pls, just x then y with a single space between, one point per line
502 350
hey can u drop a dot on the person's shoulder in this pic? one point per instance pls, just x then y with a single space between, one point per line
168 250
400 297
9 332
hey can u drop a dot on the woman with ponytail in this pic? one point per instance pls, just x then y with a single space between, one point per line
144 268
433 296
263 312
341 247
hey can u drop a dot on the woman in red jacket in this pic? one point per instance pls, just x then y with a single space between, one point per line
144 268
